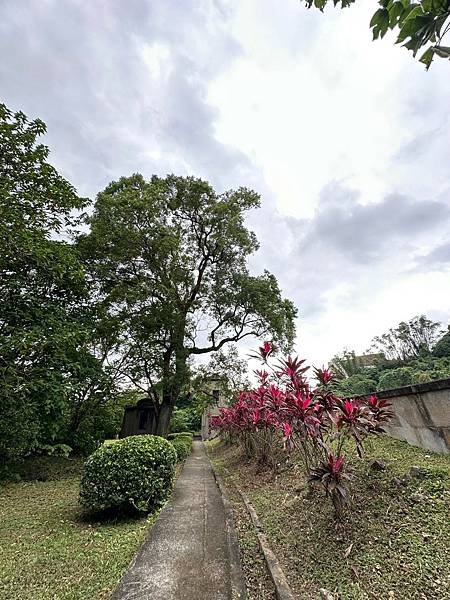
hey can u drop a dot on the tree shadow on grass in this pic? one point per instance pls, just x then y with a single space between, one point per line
114 516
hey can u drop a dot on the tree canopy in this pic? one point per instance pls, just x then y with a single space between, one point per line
413 352
408 340
168 263
159 278
42 287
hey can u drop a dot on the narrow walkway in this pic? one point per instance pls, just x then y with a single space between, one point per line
186 555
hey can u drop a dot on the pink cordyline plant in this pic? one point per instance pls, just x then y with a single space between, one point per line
312 420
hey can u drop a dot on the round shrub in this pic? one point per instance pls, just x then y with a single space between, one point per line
183 446
133 473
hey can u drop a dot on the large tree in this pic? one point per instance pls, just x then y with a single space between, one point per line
42 288
168 261
421 24
409 340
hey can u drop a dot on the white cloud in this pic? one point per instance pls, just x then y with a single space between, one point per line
346 139
309 108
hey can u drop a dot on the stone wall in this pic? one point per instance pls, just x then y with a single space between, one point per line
422 414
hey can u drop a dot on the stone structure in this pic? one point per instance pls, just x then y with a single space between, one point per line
139 419
218 400
422 414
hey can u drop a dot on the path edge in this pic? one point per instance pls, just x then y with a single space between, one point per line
238 587
116 593
282 588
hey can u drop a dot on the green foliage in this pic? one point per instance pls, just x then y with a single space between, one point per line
133 473
409 340
100 423
419 24
54 450
183 446
414 354
357 384
431 367
394 378
172 436
185 419
390 376
42 287
442 347
168 256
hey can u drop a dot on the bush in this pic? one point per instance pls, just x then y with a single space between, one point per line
133 473
53 450
183 446
173 436
179 421
99 423
284 406
395 378
184 419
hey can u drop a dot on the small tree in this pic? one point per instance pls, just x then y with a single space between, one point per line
167 258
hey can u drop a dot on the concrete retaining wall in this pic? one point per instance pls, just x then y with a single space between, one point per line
422 414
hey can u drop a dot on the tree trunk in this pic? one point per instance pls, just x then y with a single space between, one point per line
172 385
163 418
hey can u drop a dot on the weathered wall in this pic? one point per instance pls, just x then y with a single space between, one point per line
422 414
214 408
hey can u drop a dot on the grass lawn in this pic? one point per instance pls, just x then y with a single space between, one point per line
48 550
394 543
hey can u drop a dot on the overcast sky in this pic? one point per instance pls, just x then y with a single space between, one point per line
347 140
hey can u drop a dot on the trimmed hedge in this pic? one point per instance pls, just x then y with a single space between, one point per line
183 446
173 436
133 473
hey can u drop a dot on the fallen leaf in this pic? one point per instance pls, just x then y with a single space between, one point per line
349 549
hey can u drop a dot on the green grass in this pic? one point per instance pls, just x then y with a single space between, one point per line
49 550
394 542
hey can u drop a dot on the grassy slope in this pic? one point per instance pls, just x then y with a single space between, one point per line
397 534
47 550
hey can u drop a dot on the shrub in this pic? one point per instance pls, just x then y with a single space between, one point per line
184 419
53 450
133 473
314 420
100 422
395 378
173 436
183 446
179 420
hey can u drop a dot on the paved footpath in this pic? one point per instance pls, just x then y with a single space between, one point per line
186 555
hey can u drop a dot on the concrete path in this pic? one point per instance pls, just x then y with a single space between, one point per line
187 555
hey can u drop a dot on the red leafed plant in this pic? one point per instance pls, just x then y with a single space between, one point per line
284 406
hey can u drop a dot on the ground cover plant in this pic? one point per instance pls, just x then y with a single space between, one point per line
393 543
135 473
48 549
322 427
